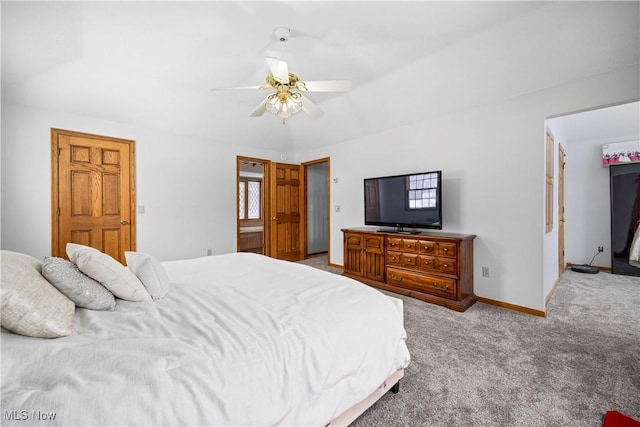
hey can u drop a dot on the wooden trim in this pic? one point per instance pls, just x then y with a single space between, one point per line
55 201
549 180
336 265
513 307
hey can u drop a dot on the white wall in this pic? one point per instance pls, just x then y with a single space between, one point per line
186 185
492 158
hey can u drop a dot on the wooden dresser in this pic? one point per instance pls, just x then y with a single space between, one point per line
436 267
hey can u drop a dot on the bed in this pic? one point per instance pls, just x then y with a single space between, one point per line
239 339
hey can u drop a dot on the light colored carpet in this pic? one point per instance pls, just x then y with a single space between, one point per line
491 366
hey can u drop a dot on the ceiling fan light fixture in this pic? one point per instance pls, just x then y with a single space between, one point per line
283 105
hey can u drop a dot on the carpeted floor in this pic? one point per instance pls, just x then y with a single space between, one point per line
491 366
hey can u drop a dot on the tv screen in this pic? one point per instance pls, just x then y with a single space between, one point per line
412 200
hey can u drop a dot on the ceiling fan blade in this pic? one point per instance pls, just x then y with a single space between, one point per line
328 86
279 69
309 107
260 109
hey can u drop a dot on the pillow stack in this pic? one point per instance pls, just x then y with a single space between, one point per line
39 298
106 270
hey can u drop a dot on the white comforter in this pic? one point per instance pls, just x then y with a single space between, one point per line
240 339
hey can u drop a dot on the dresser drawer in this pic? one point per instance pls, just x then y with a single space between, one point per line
394 258
427 263
422 282
394 244
410 260
427 247
448 266
440 265
409 245
430 247
446 249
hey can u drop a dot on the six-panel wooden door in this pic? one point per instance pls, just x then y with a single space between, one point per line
286 211
92 193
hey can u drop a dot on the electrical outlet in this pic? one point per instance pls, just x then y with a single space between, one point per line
209 252
600 248
486 272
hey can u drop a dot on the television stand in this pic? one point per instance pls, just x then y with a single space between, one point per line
435 267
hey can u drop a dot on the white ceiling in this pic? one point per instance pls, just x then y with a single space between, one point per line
152 64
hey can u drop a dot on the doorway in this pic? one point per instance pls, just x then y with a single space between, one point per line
275 202
252 201
317 206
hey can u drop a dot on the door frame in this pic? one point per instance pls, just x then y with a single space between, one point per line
561 217
326 160
265 201
55 192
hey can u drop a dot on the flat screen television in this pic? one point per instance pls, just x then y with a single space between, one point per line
411 200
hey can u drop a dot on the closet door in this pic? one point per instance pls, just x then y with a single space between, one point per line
625 218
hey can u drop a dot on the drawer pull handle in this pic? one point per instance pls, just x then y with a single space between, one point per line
396 278
442 288
445 265
392 244
426 263
393 258
445 250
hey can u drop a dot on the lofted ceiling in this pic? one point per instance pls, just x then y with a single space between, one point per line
153 64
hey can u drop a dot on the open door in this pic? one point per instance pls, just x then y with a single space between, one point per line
287 236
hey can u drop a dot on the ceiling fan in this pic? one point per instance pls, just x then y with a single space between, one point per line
288 98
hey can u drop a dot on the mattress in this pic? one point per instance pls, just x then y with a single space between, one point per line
240 339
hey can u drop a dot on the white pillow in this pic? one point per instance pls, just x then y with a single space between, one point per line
31 306
106 270
77 286
151 273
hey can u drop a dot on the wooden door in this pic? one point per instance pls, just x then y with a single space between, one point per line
92 193
286 210
561 260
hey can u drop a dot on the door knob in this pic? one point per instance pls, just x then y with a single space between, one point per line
274 218
123 222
